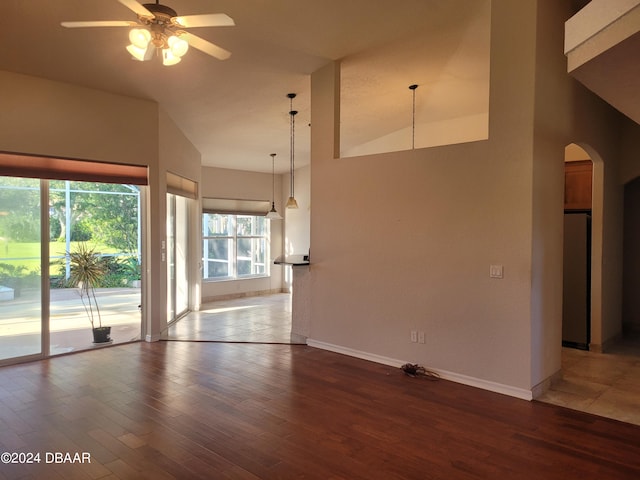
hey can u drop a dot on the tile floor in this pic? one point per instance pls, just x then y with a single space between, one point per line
605 384
263 319
20 322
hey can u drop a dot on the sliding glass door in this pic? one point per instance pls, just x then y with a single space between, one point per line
20 279
177 256
94 223
44 226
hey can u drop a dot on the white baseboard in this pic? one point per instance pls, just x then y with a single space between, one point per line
541 388
446 375
153 338
233 296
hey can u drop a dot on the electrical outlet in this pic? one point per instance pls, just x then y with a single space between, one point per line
420 337
414 336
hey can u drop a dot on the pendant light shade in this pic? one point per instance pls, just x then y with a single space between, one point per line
140 37
273 214
291 202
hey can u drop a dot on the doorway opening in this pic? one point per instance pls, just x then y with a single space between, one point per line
50 213
601 382
576 291
177 257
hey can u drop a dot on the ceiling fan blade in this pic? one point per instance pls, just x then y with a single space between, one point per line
206 46
137 8
99 23
206 20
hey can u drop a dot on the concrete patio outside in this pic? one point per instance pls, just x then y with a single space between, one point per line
69 325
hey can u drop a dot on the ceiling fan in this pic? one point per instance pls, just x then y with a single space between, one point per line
159 29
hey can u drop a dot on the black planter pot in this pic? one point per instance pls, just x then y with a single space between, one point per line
101 335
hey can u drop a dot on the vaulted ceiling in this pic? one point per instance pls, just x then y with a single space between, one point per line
235 111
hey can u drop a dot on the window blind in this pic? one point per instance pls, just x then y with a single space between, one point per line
235 206
51 168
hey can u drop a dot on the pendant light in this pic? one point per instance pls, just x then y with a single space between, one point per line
291 202
273 215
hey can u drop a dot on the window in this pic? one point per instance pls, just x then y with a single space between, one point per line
234 246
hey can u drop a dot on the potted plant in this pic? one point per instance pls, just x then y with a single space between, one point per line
87 269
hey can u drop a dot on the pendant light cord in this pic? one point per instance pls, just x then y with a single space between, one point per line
273 179
413 116
292 113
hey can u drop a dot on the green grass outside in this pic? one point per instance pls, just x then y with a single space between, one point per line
27 254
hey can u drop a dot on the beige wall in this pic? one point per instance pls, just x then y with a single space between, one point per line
403 241
630 143
178 156
412 235
238 184
551 114
51 118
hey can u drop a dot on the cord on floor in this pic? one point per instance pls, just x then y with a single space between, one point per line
415 370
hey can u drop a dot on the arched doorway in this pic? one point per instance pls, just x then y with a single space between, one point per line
582 324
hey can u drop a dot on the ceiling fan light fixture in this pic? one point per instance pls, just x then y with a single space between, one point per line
168 58
140 37
177 45
159 30
137 53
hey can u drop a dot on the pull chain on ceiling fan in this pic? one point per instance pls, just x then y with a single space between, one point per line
159 29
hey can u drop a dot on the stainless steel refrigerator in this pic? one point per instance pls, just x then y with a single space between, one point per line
576 306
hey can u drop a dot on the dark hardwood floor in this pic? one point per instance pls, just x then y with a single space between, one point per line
220 411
